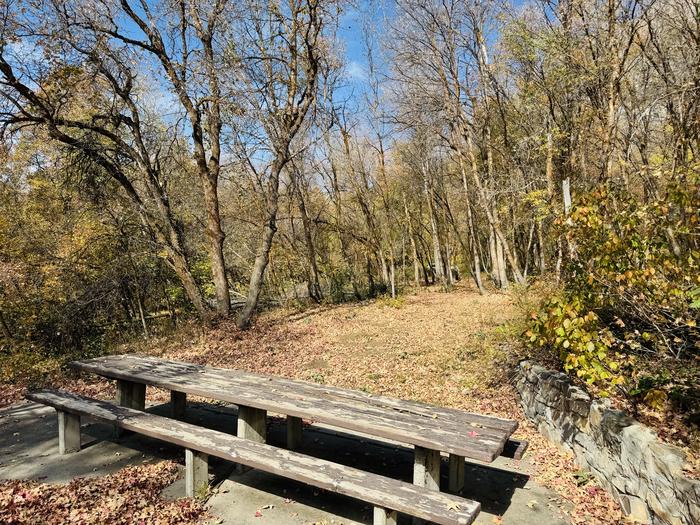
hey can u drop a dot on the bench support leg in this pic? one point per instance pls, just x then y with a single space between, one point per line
294 432
252 425
68 432
384 516
456 479
130 395
178 402
426 468
196 473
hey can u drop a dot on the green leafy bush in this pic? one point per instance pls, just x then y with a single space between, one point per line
628 312
584 346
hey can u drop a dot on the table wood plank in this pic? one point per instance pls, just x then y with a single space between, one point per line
470 435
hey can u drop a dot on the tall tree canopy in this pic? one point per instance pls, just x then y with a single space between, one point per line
210 157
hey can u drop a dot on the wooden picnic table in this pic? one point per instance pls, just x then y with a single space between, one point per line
429 429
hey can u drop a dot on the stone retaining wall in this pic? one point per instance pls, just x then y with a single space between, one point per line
645 475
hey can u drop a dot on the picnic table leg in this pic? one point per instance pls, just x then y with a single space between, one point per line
138 396
178 402
68 432
384 516
196 473
130 395
426 472
252 424
294 432
426 468
124 392
456 479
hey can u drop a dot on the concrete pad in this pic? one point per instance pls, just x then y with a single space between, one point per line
29 450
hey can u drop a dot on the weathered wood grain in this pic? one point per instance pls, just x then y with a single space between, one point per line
387 493
131 395
252 425
426 468
384 517
68 432
453 431
456 474
196 473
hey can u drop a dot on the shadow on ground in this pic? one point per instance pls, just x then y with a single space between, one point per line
28 450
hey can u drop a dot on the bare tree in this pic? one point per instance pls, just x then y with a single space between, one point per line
180 43
439 48
281 59
111 136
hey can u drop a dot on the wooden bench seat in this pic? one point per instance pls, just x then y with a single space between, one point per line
387 495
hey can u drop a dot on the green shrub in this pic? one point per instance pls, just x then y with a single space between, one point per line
584 347
626 318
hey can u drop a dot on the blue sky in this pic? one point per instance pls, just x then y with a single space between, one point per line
351 33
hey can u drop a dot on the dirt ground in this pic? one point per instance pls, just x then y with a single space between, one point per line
454 349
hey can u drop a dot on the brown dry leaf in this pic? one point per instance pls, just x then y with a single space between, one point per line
132 492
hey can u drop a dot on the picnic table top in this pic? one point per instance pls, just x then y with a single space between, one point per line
449 430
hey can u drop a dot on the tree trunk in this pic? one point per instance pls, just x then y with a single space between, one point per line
414 248
438 264
181 268
142 315
541 253
338 204
502 270
476 264
493 219
263 257
315 291
474 242
169 304
494 271
371 289
215 236
531 236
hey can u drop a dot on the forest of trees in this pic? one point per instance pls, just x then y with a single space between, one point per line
169 158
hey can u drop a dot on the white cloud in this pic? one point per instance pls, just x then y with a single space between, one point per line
356 71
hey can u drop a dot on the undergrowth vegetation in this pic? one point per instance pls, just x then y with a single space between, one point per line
625 321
